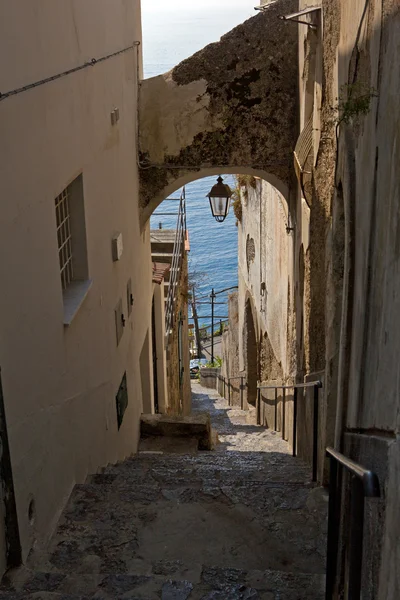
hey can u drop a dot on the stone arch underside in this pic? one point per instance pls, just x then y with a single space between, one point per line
230 108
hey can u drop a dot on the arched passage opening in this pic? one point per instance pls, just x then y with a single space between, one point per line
183 179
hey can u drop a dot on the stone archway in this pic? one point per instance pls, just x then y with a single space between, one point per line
229 108
200 173
250 353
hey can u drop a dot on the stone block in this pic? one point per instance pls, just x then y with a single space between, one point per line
193 426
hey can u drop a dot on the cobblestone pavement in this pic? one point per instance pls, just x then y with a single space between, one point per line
240 523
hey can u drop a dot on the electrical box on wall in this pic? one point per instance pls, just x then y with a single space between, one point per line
117 247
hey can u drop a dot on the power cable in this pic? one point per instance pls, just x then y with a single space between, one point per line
91 63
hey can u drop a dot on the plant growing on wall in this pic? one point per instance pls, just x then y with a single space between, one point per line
237 204
354 101
217 362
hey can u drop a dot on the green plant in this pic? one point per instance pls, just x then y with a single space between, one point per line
237 204
246 181
354 100
217 362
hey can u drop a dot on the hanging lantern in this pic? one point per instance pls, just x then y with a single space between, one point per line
220 197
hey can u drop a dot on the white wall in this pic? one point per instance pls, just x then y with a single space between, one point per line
60 383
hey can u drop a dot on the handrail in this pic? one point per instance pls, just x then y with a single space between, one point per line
295 386
317 384
369 478
364 484
180 235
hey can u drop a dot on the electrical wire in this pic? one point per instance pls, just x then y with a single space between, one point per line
91 63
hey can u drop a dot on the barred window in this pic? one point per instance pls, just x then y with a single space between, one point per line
72 247
62 204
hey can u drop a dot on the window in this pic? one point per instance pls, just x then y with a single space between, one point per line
64 238
72 247
122 400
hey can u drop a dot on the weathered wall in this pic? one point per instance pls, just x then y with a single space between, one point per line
358 198
179 391
231 105
265 276
59 382
230 351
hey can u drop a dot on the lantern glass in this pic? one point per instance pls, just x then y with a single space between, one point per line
220 207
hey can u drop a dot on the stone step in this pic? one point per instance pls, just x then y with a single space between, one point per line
170 580
239 466
192 427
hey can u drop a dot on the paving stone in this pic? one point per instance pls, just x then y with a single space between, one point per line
242 522
176 590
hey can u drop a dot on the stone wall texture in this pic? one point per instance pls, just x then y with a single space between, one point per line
231 105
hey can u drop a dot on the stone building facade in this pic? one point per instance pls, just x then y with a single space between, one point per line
319 301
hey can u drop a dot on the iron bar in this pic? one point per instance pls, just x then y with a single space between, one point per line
212 325
364 484
241 392
276 410
333 531
315 435
283 413
293 386
357 503
294 421
369 479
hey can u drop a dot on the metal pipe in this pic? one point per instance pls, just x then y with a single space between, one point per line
370 480
333 532
276 410
283 414
241 392
294 421
212 325
293 386
354 573
258 407
315 435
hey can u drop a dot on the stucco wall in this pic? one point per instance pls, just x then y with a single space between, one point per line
231 105
265 276
60 382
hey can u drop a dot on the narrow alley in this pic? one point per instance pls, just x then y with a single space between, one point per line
238 523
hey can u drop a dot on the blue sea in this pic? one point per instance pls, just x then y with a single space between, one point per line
173 31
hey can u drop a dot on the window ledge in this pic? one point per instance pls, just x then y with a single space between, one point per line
73 298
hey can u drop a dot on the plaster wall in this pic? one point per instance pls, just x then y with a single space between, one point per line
59 382
265 275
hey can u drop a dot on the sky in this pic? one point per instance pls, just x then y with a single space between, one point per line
150 6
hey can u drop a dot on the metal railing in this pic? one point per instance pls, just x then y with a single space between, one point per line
179 247
364 484
295 387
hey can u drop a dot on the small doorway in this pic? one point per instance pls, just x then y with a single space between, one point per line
251 355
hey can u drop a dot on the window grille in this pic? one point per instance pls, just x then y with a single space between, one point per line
64 238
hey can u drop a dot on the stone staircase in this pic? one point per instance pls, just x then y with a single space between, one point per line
222 525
